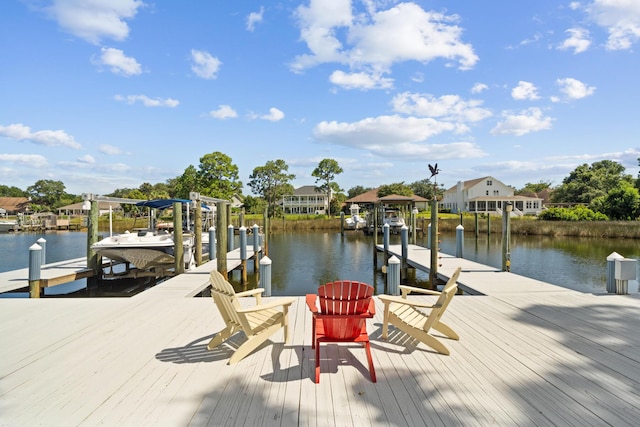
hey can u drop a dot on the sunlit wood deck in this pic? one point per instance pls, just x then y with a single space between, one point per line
554 357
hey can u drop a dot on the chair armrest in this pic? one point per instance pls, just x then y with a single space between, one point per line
250 293
390 298
342 316
406 289
372 307
311 302
282 302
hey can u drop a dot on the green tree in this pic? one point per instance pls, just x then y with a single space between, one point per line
218 177
254 205
356 191
622 203
398 188
181 186
46 193
530 188
586 183
325 174
12 191
271 182
423 188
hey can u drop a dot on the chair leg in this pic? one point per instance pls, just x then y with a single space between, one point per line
372 370
385 322
446 330
317 345
221 337
252 343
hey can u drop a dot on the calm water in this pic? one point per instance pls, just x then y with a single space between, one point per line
303 260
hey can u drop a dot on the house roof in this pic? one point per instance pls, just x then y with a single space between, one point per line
468 184
14 204
371 196
305 190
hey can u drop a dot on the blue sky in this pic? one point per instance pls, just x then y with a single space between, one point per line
108 94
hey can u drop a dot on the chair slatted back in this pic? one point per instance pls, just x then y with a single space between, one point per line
344 298
444 299
225 298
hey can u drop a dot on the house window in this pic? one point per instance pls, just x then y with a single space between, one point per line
496 192
487 192
529 204
489 182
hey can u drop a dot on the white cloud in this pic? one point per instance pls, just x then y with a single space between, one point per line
148 102
204 64
87 158
361 80
479 87
621 18
223 112
578 40
31 160
274 115
96 19
377 40
447 107
109 149
531 120
254 18
118 62
51 138
575 89
524 91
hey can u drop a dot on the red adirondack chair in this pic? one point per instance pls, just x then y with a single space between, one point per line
344 307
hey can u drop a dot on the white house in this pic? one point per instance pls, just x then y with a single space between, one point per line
487 195
305 200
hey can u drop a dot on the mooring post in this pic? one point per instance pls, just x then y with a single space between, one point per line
230 238
393 276
256 246
342 223
243 254
414 226
429 236
476 223
433 270
197 225
265 275
404 240
212 243
35 264
43 244
506 237
178 238
459 240
93 259
385 242
221 239
488 224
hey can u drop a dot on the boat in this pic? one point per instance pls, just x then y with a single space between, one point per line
394 219
151 250
355 221
7 225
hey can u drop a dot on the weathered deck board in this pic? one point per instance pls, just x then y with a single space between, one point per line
544 356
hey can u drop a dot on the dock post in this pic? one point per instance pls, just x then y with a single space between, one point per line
393 276
221 248
476 223
385 242
43 244
611 271
414 226
342 223
93 259
506 237
212 243
178 239
243 254
488 224
433 269
459 241
265 275
256 246
625 271
404 239
429 236
230 237
197 225
35 264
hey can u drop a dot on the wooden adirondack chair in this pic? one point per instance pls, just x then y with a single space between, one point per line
407 316
258 323
344 307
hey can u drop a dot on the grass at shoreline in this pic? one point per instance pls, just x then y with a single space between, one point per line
447 223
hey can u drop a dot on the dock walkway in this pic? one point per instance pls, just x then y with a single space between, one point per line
540 357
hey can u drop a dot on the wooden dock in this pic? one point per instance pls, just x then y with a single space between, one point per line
75 269
529 355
